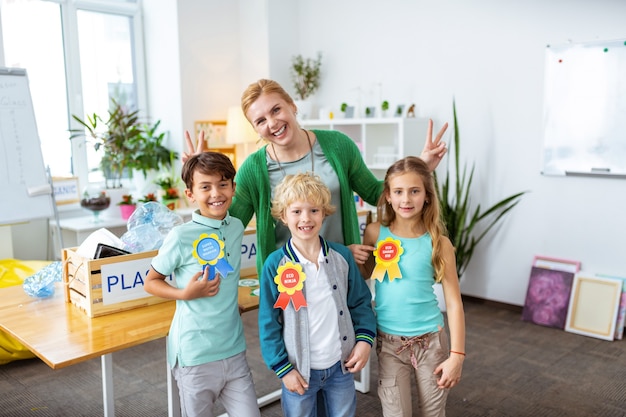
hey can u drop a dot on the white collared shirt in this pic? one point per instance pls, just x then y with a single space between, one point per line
324 344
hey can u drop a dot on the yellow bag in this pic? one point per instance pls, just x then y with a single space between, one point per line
14 272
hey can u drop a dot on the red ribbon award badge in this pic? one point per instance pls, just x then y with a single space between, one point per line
290 281
387 256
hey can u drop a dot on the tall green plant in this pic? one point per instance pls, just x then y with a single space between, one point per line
461 221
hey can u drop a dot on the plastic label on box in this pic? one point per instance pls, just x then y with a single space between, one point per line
123 281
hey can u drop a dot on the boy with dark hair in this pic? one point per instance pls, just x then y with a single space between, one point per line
206 344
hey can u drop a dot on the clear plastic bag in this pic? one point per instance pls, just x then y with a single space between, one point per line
148 226
41 284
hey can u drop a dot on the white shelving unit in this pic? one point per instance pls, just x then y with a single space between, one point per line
382 141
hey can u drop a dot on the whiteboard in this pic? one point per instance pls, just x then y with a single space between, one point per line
24 188
585 109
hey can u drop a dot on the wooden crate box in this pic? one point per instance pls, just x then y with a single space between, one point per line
107 285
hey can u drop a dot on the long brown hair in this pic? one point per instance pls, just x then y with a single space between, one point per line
430 212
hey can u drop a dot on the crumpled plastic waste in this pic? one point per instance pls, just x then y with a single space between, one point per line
148 226
41 284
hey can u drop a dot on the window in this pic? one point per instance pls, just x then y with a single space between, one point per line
41 53
82 54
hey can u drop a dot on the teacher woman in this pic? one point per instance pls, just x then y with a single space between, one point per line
291 149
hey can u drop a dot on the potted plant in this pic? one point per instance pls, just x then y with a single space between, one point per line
147 198
348 111
305 74
127 206
148 151
169 191
114 136
460 220
384 107
127 143
95 201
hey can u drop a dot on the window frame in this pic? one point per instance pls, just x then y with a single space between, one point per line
69 28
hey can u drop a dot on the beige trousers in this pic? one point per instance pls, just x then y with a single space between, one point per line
400 357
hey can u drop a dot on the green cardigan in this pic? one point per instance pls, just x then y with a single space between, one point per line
253 193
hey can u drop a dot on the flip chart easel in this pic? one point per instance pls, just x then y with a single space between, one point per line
25 190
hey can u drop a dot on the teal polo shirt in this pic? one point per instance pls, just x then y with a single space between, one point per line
205 329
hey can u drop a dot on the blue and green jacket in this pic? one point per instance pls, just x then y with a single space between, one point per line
284 334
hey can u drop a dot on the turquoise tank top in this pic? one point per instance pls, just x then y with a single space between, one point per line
408 306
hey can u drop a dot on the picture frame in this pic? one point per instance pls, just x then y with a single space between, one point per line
548 297
621 313
593 306
556 263
214 132
66 190
229 151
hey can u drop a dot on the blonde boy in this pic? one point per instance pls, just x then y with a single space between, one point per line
316 323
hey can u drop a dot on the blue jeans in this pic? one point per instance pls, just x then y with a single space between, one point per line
337 390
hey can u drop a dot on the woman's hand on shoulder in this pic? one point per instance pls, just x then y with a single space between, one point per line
193 150
361 253
434 150
364 254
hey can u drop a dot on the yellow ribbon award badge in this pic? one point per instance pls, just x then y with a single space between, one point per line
209 251
387 256
290 280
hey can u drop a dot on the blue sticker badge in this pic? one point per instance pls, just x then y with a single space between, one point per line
209 251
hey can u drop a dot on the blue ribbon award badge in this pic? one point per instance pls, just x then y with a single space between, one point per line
209 251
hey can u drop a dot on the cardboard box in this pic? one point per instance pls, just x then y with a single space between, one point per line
107 285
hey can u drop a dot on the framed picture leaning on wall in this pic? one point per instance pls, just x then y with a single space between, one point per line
214 132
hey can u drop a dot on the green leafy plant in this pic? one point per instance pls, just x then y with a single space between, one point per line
149 152
306 74
126 141
384 106
169 186
113 135
461 221
343 107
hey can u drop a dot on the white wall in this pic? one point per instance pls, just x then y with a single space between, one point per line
163 79
487 54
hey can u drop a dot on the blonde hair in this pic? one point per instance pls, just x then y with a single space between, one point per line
301 187
259 88
431 216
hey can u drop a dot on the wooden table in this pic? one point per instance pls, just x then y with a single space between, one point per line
62 335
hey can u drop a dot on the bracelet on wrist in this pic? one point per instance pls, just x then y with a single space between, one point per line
458 353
